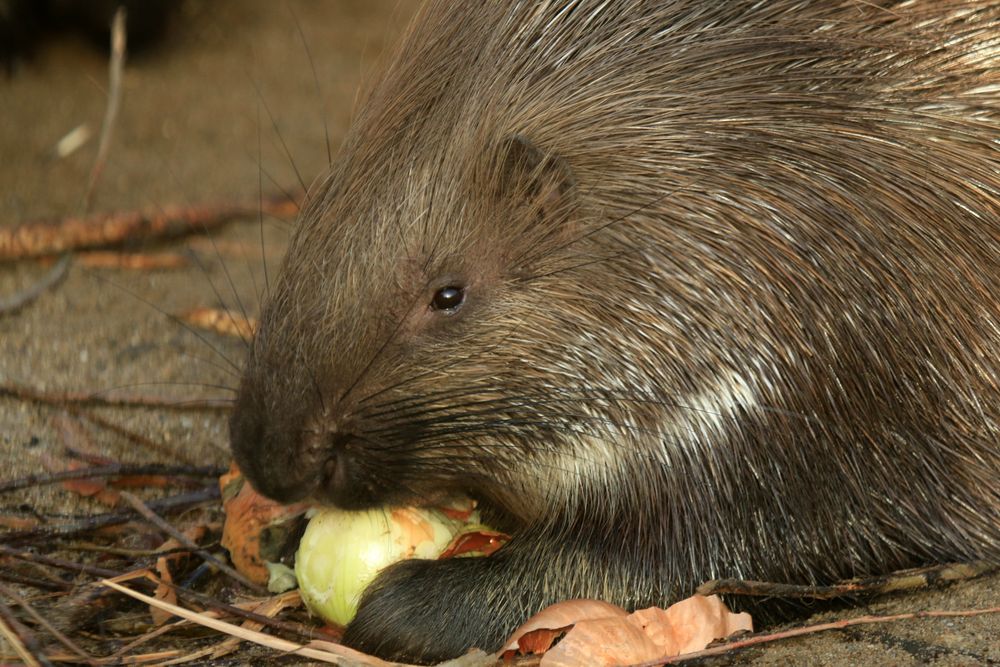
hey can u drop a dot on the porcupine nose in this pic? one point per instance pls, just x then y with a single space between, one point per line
269 453
335 464
348 477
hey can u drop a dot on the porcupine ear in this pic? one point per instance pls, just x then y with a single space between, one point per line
542 181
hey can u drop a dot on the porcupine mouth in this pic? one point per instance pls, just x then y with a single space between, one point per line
336 485
332 475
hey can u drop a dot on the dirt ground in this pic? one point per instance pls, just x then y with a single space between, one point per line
194 116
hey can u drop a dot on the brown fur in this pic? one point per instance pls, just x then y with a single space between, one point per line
731 275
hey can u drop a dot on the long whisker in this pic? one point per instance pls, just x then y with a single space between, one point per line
260 215
204 271
443 367
172 318
378 352
281 138
316 86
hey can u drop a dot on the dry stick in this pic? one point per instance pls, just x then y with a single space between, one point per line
22 638
146 574
112 470
895 581
32 557
343 655
268 607
46 574
811 629
180 501
12 304
212 603
208 601
42 238
142 659
149 636
115 66
54 631
15 642
133 553
154 519
32 582
63 398
58 272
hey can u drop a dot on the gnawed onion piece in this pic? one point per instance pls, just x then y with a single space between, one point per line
341 552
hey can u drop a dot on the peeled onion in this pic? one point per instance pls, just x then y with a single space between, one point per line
341 552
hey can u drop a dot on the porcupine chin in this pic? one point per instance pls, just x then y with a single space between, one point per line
676 290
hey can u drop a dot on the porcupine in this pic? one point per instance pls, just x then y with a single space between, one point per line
676 290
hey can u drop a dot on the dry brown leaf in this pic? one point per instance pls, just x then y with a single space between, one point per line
164 588
602 641
164 591
536 642
603 634
87 487
475 543
562 614
220 321
248 515
151 261
143 481
269 607
691 624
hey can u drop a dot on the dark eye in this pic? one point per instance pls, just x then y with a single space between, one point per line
448 298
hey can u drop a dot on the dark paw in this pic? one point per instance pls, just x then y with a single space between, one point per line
429 611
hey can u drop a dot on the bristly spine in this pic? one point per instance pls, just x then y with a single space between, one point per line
676 289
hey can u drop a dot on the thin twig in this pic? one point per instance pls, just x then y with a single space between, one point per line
112 470
149 636
32 582
233 610
214 604
343 653
812 629
41 620
132 553
180 501
12 304
63 398
157 521
72 566
894 581
115 65
17 645
21 638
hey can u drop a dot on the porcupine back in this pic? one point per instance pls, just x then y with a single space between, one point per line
731 274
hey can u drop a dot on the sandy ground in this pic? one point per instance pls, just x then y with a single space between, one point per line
193 116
